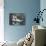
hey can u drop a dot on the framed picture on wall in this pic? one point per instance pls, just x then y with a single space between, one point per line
16 19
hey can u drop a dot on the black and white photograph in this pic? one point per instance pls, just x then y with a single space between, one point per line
16 19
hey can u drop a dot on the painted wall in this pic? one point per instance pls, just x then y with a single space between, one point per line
43 6
29 8
1 21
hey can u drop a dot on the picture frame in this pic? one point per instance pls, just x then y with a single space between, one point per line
16 19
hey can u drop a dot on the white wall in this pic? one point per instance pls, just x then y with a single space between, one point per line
1 21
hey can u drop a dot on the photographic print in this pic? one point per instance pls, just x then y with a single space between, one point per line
16 19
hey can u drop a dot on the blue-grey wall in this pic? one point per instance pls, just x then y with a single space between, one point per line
29 8
43 6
